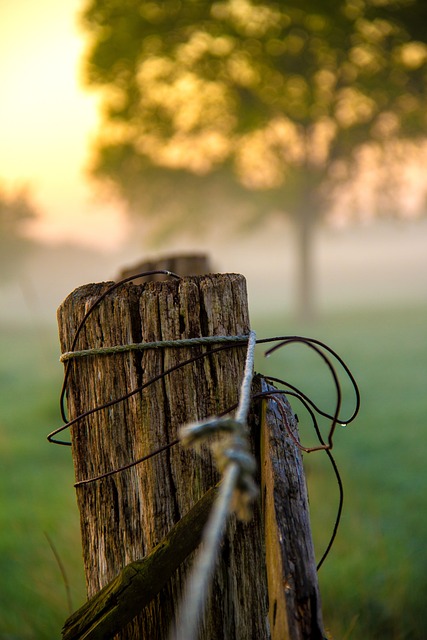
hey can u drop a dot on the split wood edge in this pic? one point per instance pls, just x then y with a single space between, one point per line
294 611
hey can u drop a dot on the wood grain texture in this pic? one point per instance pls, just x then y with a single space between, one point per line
109 610
295 609
125 516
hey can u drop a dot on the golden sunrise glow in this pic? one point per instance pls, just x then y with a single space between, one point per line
251 20
46 119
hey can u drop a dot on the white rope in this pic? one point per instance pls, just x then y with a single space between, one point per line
196 592
245 391
237 465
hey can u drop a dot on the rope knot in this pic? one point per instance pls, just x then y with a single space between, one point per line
233 447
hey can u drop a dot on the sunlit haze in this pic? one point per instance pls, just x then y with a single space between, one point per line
47 119
46 125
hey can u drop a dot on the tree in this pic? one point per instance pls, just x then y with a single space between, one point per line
265 101
16 210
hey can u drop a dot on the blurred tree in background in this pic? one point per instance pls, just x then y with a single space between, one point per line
16 210
249 108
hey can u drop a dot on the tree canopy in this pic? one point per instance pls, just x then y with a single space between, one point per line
259 87
269 100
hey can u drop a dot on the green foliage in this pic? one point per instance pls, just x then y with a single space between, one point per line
242 108
36 492
271 93
373 582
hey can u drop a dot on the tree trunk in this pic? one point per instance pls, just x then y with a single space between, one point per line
124 516
305 272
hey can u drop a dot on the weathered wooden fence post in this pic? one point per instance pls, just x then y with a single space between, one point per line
124 516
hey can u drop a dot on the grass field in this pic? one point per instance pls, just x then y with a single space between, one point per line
374 582
36 493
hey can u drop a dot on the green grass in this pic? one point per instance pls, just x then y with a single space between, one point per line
36 493
373 584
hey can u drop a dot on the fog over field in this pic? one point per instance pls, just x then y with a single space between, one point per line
380 264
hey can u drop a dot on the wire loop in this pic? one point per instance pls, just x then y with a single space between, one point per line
232 453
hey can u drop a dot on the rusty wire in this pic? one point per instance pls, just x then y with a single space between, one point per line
326 353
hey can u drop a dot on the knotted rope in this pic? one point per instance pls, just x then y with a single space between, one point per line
160 344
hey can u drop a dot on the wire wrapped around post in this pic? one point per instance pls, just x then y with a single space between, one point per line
107 332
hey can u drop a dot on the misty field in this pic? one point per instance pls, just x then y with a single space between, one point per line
373 584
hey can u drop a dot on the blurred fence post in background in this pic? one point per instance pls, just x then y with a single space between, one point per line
192 264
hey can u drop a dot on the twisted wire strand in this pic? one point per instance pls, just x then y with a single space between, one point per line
69 423
229 460
273 394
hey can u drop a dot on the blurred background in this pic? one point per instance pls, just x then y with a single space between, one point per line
287 142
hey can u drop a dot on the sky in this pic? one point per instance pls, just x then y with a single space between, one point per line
47 120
